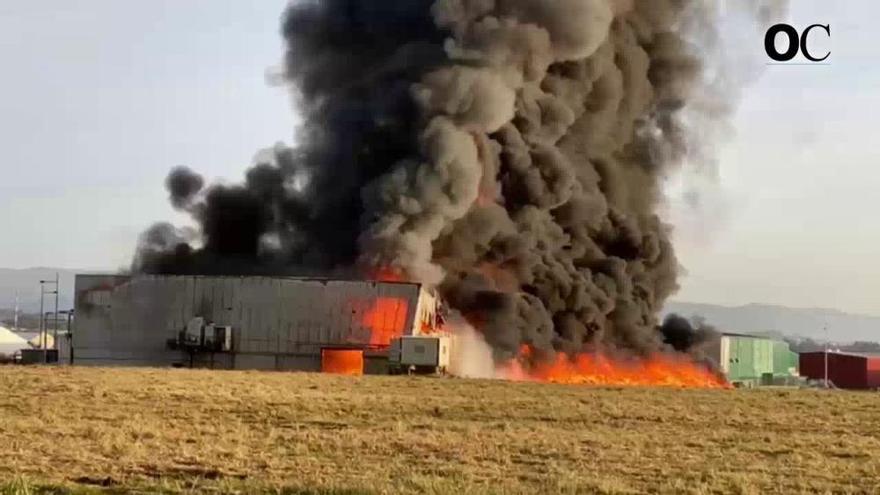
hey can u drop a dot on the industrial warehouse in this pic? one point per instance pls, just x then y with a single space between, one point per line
278 323
348 326
856 371
750 360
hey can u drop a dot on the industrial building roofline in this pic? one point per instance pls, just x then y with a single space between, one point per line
270 277
748 335
871 355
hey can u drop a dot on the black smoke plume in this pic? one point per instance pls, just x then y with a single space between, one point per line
683 335
183 185
509 152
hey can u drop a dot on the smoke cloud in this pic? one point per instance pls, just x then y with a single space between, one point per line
511 153
183 185
471 356
679 333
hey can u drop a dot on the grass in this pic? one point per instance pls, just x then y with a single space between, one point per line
83 431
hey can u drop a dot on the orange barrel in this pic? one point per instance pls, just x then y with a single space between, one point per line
342 361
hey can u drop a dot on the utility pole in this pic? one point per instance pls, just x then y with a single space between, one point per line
57 290
825 328
42 339
15 318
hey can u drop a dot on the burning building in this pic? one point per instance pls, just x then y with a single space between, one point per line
274 323
510 154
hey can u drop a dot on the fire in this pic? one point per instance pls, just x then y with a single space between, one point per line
386 319
659 370
387 274
342 361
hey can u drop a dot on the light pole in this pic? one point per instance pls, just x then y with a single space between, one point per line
16 312
43 329
42 292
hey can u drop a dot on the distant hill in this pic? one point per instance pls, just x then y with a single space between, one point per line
26 283
794 322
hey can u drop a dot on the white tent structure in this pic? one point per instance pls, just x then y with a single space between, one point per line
10 343
37 342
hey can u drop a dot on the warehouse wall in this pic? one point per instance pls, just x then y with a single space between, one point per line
752 359
719 353
785 361
844 370
873 372
278 323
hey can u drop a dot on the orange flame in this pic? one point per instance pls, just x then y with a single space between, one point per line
386 319
659 370
342 361
387 274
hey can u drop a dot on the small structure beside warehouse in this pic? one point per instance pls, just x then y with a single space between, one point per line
752 360
420 354
848 370
270 323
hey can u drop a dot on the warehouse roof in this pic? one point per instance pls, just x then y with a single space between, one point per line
305 278
871 355
753 336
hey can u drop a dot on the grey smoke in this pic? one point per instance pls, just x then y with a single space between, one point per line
510 152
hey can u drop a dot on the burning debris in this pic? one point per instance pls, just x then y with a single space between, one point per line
509 152
666 370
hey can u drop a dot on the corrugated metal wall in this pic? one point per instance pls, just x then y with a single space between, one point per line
750 358
785 361
754 359
278 323
844 370
872 378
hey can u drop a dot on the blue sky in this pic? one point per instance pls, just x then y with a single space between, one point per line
801 179
97 103
99 98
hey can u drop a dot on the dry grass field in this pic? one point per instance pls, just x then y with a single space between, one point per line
71 430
